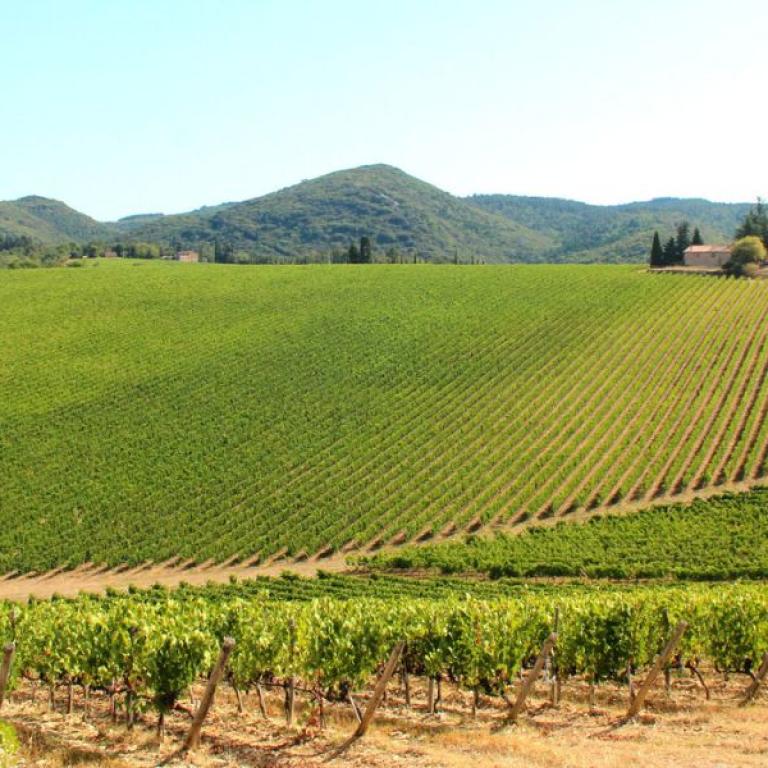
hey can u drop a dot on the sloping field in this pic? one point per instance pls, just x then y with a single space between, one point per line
155 410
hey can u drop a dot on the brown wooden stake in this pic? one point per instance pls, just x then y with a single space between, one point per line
239 697
51 697
290 697
378 692
554 682
113 702
658 665
70 696
354 706
668 682
431 696
290 690
531 678
262 705
439 697
475 701
749 694
630 684
592 692
192 740
407 687
5 669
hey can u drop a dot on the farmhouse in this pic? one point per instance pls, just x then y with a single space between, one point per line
706 255
187 256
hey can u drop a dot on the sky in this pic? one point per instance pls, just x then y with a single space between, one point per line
128 106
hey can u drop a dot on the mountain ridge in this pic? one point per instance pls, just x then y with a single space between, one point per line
400 213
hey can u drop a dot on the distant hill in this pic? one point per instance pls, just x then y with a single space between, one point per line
48 221
396 211
612 233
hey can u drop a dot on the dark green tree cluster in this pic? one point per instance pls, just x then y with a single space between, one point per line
362 254
755 223
673 250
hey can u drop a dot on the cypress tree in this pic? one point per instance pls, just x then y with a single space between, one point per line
697 238
657 254
683 239
353 255
670 251
365 250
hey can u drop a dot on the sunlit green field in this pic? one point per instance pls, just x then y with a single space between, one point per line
151 410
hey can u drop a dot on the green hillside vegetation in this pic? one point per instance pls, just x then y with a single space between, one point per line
157 409
723 537
48 221
612 233
397 211
405 218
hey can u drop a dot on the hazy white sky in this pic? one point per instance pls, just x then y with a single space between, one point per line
126 106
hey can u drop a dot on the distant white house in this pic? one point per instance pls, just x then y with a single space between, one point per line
187 256
706 255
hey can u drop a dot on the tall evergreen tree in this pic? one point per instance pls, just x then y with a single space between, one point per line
353 255
683 239
365 250
657 254
697 238
670 252
755 223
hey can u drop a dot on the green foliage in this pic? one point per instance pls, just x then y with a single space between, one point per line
657 254
206 411
755 223
308 221
9 744
682 239
723 537
337 645
747 252
579 232
48 221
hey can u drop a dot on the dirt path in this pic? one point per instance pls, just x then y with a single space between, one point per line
97 579
91 578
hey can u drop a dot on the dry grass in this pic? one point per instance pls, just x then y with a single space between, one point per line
682 732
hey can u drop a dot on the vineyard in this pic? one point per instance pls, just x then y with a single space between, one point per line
722 537
143 651
151 411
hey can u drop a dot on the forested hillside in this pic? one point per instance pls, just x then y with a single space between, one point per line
405 219
397 211
612 233
48 221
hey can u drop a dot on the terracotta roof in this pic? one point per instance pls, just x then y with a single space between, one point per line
707 248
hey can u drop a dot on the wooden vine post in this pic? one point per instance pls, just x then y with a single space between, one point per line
749 694
192 741
554 677
290 687
637 703
5 669
530 680
378 693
